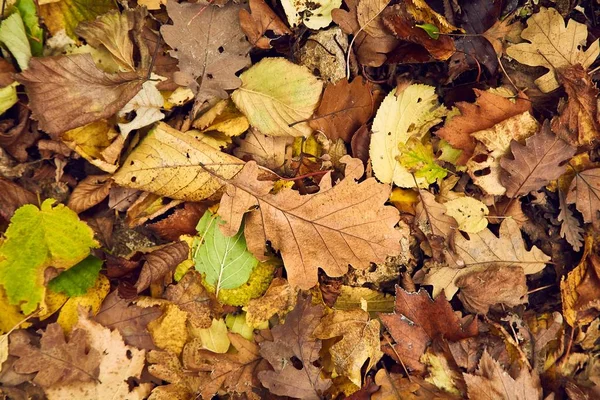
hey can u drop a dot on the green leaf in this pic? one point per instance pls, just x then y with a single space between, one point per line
35 240
225 261
77 280
35 34
14 37
8 97
431 30
418 158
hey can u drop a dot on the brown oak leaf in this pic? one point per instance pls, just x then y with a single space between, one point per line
347 224
491 381
536 163
344 108
67 92
432 220
214 59
294 339
396 386
418 320
585 193
89 192
487 111
159 263
258 21
56 360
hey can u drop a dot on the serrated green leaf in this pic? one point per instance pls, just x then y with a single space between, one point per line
14 37
418 158
225 261
35 34
38 238
8 97
77 280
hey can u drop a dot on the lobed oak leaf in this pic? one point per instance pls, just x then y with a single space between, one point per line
418 320
585 193
553 45
339 226
488 110
57 360
344 108
295 339
258 21
67 92
360 341
214 60
190 296
577 122
172 163
492 381
485 250
160 263
536 163
89 192
570 229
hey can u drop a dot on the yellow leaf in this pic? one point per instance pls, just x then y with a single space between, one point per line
237 324
173 164
215 338
169 331
404 199
67 14
276 95
223 117
91 300
8 97
553 46
280 298
469 213
401 116
353 297
571 303
52 303
11 315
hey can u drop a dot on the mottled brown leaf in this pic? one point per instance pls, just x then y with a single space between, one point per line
294 339
190 296
161 262
89 192
396 386
56 359
570 228
267 151
344 108
258 21
343 225
432 219
585 193
487 111
536 163
417 321
67 92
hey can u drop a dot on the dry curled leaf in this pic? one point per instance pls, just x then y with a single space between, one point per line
339 226
190 296
585 193
160 263
258 21
67 92
536 163
89 192
13 197
570 229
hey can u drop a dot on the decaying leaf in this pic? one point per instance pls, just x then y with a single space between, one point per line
433 220
190 296
570 229
418 320
470 214
277 97
536 163
339 226
394 386
295 339
67 92
360 341
159 263
279 299
314 14
67 14
553 45
174 164
585 193
207 66
482 251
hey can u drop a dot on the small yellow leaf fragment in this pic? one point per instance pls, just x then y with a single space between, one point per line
215 338
91 300
404 199
169 332
469 213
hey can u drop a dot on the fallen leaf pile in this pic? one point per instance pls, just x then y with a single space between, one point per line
326 199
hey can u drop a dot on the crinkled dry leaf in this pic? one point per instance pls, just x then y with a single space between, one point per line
554 46
160 263
536 163
482 251
207 66
57 360
89 192
167 367
67 92
570 229
279 299
258 21
174 164
190 296
294 339
433 220
339 226
360 341
13 197
417 321
396 386
585 193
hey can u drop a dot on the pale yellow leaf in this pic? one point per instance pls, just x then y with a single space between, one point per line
315 14
469 213
147 105
169 331
215 338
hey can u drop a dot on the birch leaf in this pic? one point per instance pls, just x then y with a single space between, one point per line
276 95
171 163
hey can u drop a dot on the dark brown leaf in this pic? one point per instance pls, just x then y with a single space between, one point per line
16 135
536 163
160 263
570 229
13 196
259 21
418 320
89 192
67 92
183 221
